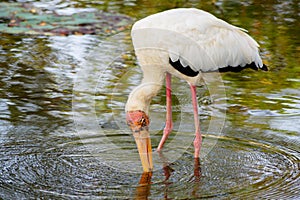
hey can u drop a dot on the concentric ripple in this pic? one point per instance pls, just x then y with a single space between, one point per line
249 168
235 168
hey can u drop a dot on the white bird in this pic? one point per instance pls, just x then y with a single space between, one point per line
182 42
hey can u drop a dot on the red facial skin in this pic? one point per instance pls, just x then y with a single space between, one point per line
137 120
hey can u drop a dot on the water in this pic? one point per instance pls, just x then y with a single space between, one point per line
62 122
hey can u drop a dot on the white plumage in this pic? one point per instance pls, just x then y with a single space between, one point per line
182 42
196 38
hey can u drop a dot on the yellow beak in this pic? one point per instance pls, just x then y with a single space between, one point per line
143 143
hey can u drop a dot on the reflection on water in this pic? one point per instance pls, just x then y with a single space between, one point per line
143 189
45 154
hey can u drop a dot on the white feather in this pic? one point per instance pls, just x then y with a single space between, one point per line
197 38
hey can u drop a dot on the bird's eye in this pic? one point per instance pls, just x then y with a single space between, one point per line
142 121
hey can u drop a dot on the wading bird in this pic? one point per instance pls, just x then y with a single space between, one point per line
185 43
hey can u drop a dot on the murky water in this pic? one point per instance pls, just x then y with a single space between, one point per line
62 122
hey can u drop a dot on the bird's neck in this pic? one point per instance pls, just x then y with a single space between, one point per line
153 76
141 96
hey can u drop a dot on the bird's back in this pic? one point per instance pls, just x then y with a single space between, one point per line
197 39
179 19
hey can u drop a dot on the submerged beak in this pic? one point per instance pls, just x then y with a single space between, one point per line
143 143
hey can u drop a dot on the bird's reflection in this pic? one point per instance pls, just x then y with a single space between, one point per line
166 166
197 170
143 189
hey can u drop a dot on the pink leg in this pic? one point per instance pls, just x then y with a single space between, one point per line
169 123
198 137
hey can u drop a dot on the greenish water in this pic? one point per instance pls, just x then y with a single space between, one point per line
62 121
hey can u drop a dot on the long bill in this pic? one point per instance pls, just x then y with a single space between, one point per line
143 143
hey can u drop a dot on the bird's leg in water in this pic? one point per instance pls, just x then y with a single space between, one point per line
169 122
198 137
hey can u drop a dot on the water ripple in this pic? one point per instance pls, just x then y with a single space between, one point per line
234 168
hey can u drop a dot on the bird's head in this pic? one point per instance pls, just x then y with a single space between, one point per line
138 122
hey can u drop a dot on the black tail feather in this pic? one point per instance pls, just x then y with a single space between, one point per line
240 68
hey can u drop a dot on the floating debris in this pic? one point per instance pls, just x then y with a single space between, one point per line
24 18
